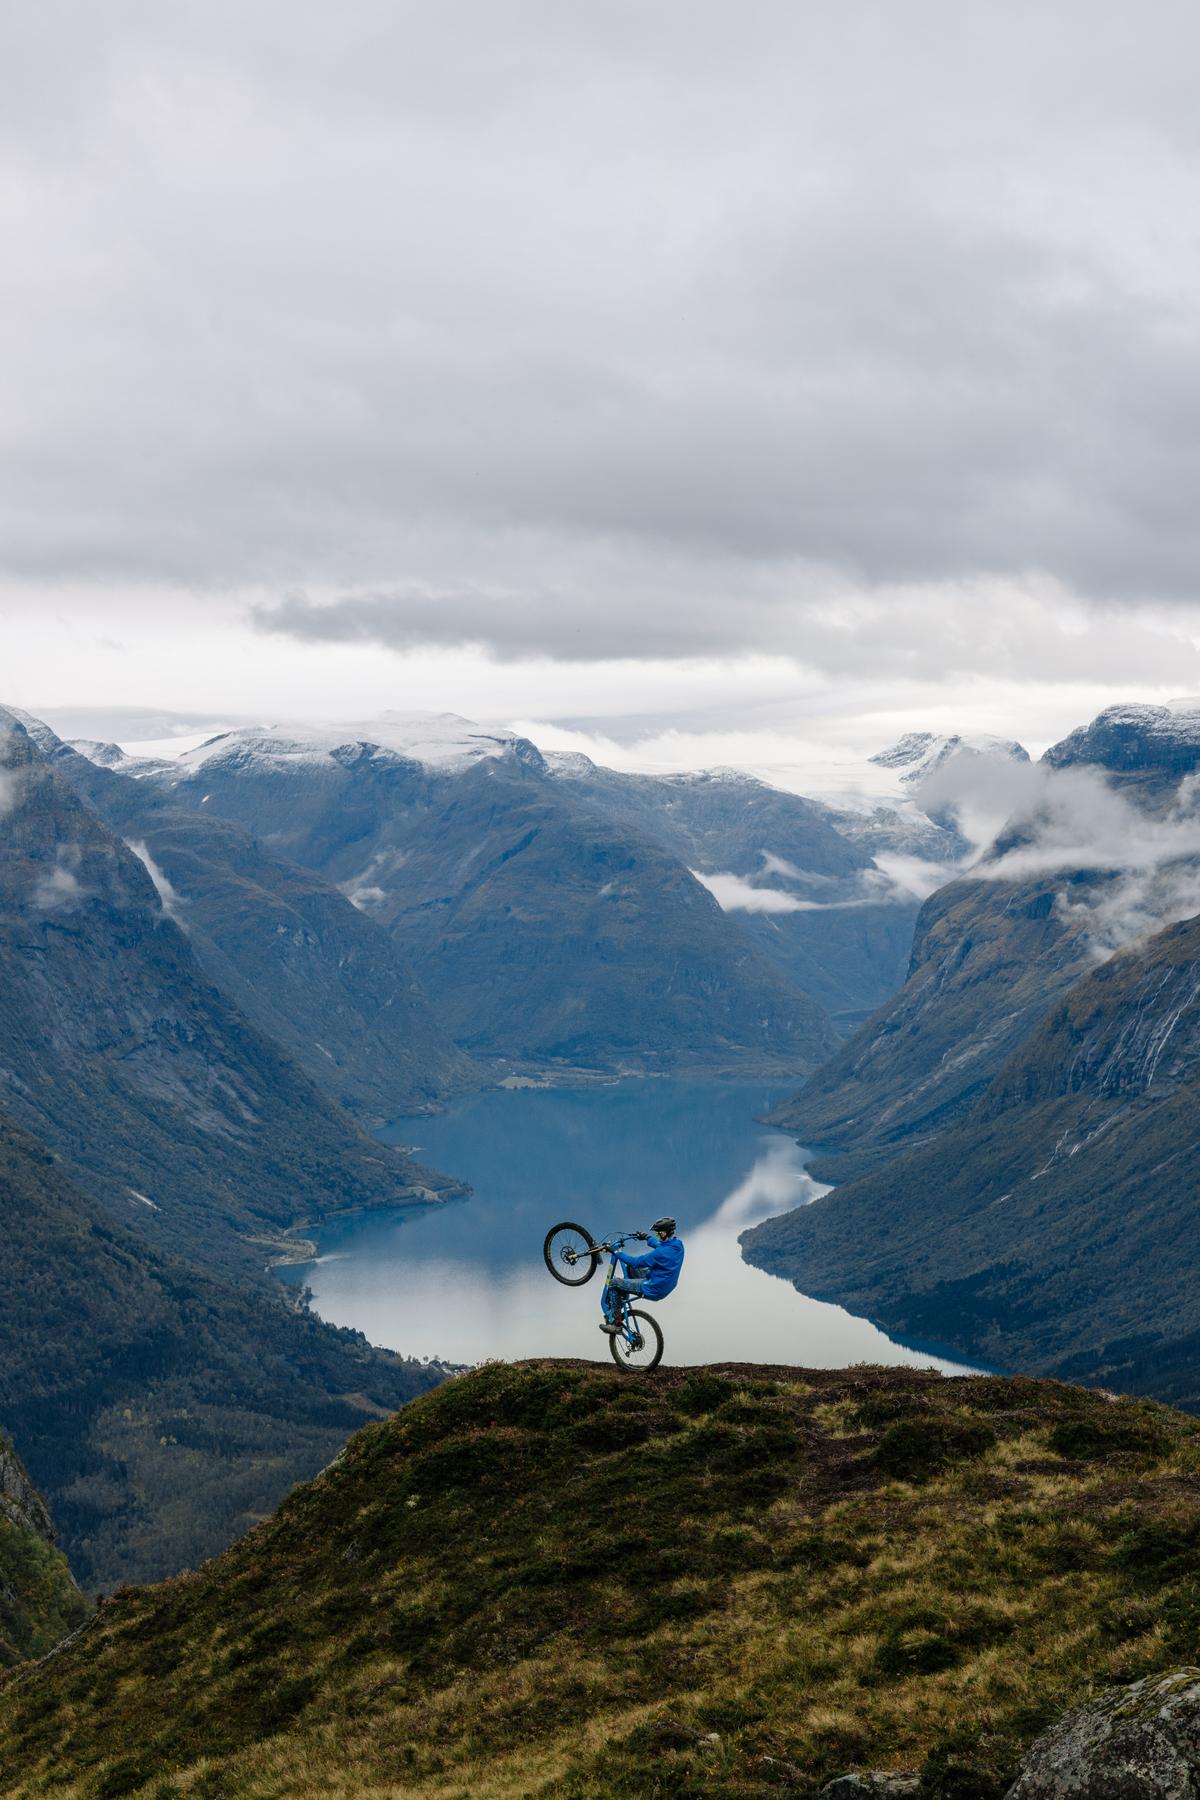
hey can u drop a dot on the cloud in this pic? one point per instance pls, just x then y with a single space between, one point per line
597 332
59 888
1134 905
1072 821
170 899
894 879
899 877
733 893
982 792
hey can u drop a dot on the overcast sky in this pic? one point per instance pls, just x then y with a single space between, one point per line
771 371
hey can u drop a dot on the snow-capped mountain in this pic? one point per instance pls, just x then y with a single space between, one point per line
826 886
1147 746
549 934
916 755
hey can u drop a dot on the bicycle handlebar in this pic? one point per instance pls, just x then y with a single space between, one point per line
614 1243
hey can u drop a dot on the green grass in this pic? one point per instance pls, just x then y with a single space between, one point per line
549 1582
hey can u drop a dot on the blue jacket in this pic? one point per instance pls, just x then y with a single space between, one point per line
658 1268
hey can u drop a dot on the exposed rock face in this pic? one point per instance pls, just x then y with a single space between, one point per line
1147 747
918 754
1137 1743
988 960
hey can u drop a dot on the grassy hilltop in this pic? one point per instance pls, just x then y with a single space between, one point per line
549 1580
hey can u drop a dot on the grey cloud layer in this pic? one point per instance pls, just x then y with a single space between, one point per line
649 329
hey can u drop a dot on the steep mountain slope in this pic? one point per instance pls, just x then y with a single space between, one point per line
1053 1227
160 1409
1148 749
308 969
812 899
547 936
39 1602
992 953
546 1581
115 1049
988 960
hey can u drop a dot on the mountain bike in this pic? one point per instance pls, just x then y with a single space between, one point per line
572 1255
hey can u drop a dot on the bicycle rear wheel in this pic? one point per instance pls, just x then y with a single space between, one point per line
567 1252
645 1352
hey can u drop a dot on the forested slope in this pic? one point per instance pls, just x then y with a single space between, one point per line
159 1409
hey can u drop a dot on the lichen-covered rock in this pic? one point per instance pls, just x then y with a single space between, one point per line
1136 1743
873 1784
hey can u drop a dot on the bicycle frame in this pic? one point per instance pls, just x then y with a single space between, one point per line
632 1336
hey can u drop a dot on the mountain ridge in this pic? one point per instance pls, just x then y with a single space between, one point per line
116 1049
548 937
544 1579
304 965
1038 1229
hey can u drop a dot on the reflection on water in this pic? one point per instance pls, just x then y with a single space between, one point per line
466 1281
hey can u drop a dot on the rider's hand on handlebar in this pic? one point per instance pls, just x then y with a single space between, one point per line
643 1236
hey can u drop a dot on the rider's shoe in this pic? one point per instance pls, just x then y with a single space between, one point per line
612 1326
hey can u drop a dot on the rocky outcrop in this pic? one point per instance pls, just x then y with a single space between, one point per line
39 1601
20 1502
1136 1743
872 1784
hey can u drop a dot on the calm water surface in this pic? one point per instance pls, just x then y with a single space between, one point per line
465 1280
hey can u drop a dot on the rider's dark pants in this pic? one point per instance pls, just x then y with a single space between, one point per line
620 1284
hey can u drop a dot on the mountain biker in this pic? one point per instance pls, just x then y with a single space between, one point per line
649 1276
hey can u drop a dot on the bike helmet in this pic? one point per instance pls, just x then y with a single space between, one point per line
664 1227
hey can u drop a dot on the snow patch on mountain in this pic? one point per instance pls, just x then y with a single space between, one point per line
444 742
918 753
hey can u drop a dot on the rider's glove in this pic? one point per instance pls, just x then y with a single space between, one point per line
643 1236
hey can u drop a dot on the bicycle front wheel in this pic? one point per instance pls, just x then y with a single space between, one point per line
568 1253
641 1352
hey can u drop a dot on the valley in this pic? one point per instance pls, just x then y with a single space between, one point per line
414 995
599 901
466 1281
